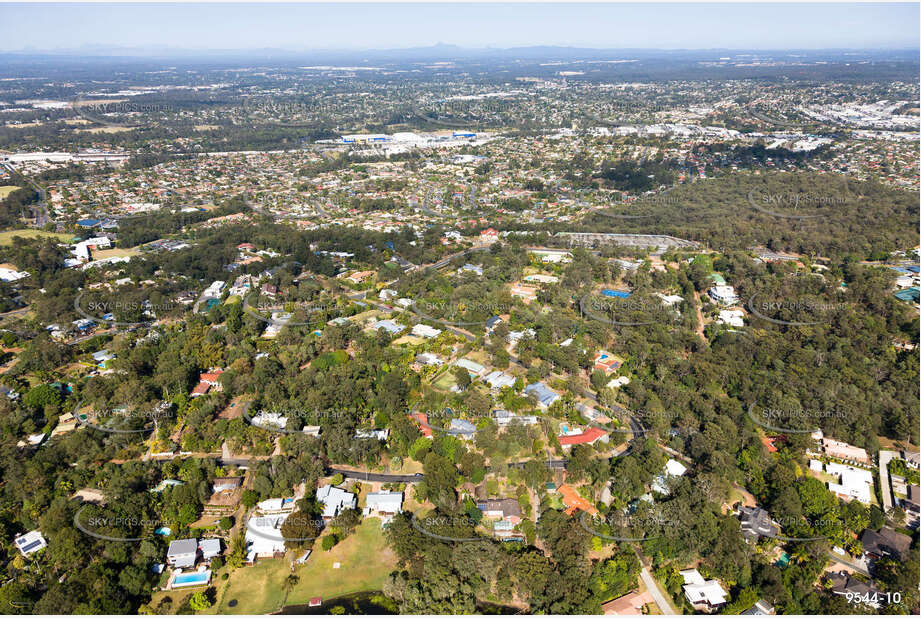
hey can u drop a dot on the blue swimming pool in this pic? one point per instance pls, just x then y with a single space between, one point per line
192 579
163 531
615 293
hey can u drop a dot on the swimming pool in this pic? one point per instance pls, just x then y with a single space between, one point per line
163 531
192 579
615 293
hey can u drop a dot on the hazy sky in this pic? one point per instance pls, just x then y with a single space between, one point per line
354 26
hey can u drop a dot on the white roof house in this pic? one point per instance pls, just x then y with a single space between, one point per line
209 548
854 482
263 536
670 300
723 294
701 593
377 434
732 317
30 542
7 274
471 366
389 325
335 500
500 379
423 330
182 553
385 504
672 468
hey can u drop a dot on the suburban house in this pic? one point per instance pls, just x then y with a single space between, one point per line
209 548
383 504
630 604
474 368
703 595
226 483
30 542
207 381
589 436
423 419
504 418
840 450
489 235
842 583
492 323
388 325
756 523
372 434
574 502
761 608
732 317
276 506
526 293
606 362
498 380
462 428
335 500
423 330
853 482
263 536
182 553
360 276
501 508
428 358
887 543
723 294
673 468
545 397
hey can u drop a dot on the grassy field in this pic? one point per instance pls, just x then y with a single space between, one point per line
365 562
257 589
5 191
107 253
6 238
445 381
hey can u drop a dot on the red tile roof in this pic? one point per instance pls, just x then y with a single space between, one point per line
423 421
586 437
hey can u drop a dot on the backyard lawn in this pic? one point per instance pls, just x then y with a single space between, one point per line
365 562
257 589
6 238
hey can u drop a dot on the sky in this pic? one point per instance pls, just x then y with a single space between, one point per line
213 26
